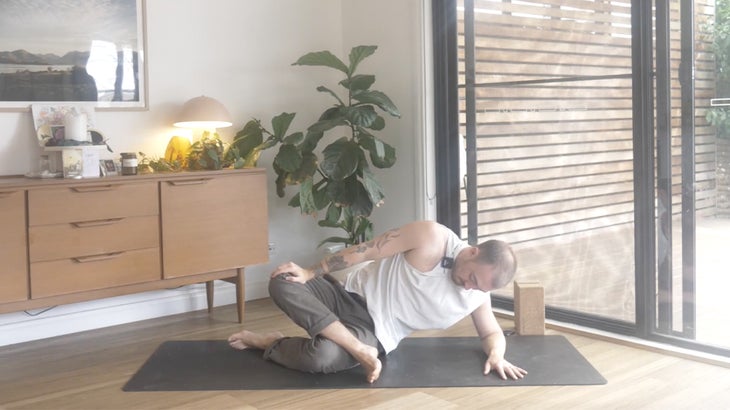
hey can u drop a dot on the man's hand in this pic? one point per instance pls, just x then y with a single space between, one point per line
293 272
503 368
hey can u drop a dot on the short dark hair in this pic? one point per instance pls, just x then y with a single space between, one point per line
500 255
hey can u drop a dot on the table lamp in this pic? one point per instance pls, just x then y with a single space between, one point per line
203 114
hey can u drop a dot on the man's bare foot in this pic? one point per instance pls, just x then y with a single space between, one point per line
368 358
245 339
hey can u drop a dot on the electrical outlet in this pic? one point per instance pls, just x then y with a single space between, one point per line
272 248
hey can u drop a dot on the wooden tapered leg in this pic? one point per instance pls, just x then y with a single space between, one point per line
240 293
209 294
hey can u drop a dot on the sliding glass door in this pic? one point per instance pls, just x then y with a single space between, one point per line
577 131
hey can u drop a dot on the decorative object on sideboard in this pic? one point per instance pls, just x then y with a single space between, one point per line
204 115
70 142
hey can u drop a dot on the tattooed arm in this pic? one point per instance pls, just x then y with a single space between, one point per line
408 238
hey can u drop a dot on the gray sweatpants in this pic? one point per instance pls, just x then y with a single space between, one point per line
314 306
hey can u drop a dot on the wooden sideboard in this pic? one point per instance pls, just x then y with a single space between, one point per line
68 240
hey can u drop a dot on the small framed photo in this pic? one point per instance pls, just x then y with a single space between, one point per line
58 133
108 167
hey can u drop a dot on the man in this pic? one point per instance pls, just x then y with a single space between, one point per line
420 276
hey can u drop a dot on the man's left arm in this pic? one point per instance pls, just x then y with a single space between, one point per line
494 343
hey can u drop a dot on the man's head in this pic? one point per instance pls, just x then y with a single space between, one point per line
490 265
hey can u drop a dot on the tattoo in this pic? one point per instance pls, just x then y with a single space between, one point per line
318 271
336 262
380 241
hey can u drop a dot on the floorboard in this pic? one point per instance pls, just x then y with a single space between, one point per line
87 370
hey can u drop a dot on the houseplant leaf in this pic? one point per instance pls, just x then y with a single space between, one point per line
306 197
359 53
322 58
351 194
327 124
324 89
281 124
289 158
294 138
378 98
382 155
248 138
373 187
361 115
358 82
310 141
341 159
332 216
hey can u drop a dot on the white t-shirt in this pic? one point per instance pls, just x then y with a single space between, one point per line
402 299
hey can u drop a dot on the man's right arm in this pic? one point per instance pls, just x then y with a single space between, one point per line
389 243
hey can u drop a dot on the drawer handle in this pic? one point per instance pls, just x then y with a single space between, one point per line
96 258
5 194
100 222
189 182
94 188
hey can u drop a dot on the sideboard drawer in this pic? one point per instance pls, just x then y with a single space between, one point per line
92 202
68 240
71 275
13 261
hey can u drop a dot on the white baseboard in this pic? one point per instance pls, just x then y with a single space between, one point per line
39 324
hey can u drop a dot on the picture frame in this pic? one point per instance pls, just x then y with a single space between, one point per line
94 51
108 167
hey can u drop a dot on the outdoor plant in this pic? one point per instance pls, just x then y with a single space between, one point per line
719 117
340 183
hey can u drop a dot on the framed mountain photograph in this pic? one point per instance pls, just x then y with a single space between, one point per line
73 51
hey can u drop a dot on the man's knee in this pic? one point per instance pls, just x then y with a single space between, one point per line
279 287
328 357
317 355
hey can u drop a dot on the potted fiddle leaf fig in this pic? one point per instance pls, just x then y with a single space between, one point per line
339 180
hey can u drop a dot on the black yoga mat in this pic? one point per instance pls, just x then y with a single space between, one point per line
417 362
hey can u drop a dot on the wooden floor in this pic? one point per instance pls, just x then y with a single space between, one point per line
87 371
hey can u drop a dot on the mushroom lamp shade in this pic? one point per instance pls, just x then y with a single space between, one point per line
204 113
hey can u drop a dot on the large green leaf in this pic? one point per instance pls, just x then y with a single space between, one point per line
335 239
352 195
310 141
324 89
378 98
362 115
358 82
306 170
324 59
281 123
289 158
332 218
341 159
248 138
332 113
306 197
359 53
326 125
378 124
293 138
319 193
382 155
361 203
373 187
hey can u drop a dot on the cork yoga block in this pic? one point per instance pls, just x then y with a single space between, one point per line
529 308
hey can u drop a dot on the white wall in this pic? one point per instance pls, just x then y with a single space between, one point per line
240 52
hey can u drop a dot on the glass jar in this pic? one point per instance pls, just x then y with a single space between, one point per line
129 163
